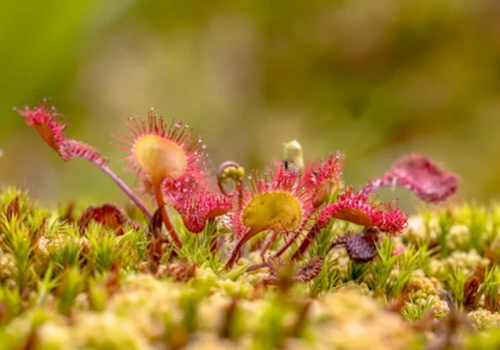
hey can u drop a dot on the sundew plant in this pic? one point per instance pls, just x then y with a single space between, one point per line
232 258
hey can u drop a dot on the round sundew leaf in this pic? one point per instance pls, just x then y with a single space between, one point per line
277 211
159 158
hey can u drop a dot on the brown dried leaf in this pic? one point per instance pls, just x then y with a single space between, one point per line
108 215
13 209
480 272
68 212
471 288
362 247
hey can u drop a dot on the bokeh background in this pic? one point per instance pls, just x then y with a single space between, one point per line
375 79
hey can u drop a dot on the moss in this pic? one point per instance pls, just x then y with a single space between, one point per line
483 319
356 322
63 290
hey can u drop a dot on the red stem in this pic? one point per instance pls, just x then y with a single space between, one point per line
256 267
164 214
239 244
283 248
311 235
125 189
214 244
267 244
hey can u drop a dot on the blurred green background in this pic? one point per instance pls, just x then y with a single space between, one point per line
374 79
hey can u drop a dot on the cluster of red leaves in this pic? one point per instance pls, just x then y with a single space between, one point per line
197 205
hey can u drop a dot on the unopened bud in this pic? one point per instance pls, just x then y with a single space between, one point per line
293 155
